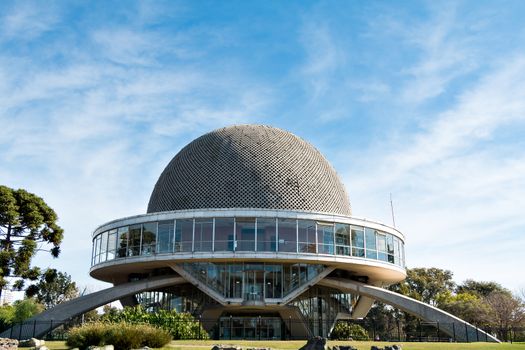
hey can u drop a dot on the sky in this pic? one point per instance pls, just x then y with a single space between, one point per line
421 100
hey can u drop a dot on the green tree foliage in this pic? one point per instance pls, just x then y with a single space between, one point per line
53 288
27 225
20 311
466 305
26 308
180 325
346 330
426 284
481 289
383 321
7 315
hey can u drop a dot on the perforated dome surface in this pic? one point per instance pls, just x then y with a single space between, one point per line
249 166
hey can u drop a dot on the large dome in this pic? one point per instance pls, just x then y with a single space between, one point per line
249 166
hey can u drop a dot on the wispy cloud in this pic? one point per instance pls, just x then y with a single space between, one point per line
25 21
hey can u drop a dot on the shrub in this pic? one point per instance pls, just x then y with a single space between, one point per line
346 330
121 335
180 325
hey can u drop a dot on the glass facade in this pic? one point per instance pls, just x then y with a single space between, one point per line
253 281
247 234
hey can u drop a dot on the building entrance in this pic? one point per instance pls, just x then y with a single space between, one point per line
254 283
250 327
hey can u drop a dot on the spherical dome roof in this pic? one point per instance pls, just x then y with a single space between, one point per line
249 166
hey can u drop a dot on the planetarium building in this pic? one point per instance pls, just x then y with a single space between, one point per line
253 218
250 229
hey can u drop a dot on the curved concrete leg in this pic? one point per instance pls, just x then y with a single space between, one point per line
448 323
48 320
362 307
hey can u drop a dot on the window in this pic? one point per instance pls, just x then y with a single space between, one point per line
223 234
245 234
112 244
266 235
122 242
183 235
390 248
307 241
203 235
134 240
149 238
325 235
381 246
358 241
165 237
371 246
287 235
342 239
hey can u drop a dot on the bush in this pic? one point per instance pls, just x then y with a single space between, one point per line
180 325
122 336
347 330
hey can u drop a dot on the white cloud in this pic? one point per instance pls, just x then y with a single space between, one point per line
26 21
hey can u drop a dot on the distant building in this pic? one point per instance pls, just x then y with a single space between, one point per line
10 296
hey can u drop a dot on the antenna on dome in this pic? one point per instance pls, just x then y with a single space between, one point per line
392 210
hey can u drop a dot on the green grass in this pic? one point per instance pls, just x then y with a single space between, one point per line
296 344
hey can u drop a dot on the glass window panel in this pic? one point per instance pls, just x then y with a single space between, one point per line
96 245
370 239
273 284
371 254
266 235
183 235
391 258
325 234
103 246
381 242
306 230
122 242
203 235
245 234
396 246
382 256
342 239
287 235
134 240
112 244
223 234
358 241
165 237
235 281
390 244
358 237
149 238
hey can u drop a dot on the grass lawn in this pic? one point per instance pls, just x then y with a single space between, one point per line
296 344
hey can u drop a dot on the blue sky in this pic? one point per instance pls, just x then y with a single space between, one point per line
424 100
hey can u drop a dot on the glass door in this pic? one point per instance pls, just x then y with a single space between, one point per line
254 283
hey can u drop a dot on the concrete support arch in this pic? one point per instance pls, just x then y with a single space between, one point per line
450 324
48 320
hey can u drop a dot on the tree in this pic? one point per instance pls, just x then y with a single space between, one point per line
426 284
27 225
467 306
26 308
53 288
481 289
506 312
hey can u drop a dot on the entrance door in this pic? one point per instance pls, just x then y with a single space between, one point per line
254 283
250 327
